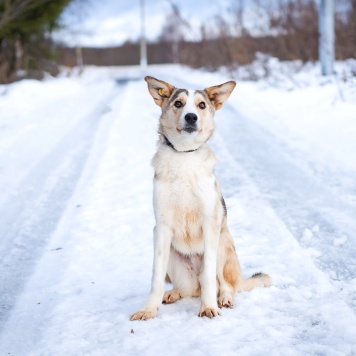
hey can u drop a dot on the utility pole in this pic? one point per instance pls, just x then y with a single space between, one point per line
326 36
143 47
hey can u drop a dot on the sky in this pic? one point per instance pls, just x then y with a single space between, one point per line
112 22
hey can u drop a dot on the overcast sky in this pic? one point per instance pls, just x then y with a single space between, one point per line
112 22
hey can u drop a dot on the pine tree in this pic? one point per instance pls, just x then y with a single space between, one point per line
24 41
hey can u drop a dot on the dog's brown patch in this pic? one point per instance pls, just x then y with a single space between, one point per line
219 93
159 90
193 232
230 272
167 279
188 227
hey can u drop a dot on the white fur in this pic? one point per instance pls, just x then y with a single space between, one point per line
190 107
192 244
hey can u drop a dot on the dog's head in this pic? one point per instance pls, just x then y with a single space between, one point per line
187 119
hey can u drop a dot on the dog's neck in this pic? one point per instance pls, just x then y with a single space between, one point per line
169 144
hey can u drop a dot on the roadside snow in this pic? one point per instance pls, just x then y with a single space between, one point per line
96 268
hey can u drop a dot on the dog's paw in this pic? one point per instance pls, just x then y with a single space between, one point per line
209 312
225 302
143 315
171 296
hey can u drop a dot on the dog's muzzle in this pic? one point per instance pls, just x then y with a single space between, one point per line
190 122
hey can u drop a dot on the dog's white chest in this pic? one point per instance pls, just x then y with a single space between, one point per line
184 192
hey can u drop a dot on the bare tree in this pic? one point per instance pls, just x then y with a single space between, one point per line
174 29
172 33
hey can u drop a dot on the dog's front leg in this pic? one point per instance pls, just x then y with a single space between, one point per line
211 235
209 306
162 243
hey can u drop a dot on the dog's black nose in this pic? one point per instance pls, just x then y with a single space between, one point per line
191 118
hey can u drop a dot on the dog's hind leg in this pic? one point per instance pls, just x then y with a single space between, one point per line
182 272
228 270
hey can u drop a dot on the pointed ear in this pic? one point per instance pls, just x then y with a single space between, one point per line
159 89
219 93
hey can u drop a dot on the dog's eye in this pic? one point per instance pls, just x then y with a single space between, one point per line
178 104
202 105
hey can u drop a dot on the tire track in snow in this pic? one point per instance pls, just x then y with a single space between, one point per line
299 198
30 217
33 326
306 297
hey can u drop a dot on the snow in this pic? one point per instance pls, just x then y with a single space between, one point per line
77 216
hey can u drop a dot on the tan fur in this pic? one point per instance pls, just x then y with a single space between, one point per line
193 246
160 90
219 93
229 270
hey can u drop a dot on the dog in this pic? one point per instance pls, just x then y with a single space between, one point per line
193 249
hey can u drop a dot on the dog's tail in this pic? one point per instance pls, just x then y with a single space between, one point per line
257 280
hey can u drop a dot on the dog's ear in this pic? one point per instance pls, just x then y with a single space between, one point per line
219 93
159 89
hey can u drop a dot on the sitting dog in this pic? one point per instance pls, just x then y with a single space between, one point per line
193 248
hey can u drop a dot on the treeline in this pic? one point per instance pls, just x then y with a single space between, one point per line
207 53
288 30
127 54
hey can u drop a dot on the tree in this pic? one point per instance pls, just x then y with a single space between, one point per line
345 30
24 29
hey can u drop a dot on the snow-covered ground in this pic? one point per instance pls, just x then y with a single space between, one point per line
76 216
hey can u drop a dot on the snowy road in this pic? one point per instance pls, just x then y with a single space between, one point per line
41 161
32 211
76 226
302 199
